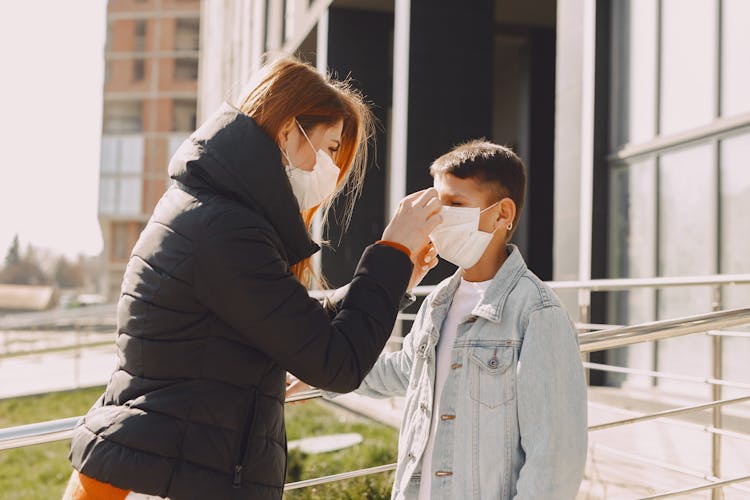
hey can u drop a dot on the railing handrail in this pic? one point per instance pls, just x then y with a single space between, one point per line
61 429
38 433
57 318
616 284
663 329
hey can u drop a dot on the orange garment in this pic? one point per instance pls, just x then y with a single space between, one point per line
81 487
397 246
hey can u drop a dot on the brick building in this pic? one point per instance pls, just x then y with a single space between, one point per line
150 89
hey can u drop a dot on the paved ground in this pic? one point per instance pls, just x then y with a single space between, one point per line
57 371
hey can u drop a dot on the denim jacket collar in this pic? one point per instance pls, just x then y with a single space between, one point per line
491 305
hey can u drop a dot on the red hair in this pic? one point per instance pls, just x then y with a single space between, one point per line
288 88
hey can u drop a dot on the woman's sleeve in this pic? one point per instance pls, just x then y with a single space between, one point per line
245 282
334 298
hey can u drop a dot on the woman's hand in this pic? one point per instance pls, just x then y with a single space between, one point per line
425 260
294 386
416 217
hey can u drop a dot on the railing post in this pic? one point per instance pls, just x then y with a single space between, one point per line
77 358
716 394
584 302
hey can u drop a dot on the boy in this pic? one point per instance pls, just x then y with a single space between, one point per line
495 391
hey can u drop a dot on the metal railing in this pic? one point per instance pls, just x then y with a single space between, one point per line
604 338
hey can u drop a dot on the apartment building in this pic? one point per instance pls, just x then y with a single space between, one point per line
150 92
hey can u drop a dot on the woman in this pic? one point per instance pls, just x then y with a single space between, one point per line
214 308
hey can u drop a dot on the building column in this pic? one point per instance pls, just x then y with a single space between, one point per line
321 63
397 168
574 146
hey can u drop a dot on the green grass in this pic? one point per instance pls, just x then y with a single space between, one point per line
41 472
379 447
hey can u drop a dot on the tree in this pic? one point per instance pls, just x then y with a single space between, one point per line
67 274
22 270
14 253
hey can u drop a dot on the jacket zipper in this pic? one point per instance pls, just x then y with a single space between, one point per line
249 418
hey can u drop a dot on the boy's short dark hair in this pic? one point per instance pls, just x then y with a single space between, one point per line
488 163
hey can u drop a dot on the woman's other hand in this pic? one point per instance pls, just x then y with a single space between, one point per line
425 260
295 386
417 215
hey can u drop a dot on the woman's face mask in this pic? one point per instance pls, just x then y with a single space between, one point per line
458 238
312 187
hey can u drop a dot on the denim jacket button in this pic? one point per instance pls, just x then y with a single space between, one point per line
492 363
423 406
410 456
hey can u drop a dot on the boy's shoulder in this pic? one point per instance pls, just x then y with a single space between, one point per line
439 291
534 293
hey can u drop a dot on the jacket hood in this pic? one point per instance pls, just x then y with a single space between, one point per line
232 156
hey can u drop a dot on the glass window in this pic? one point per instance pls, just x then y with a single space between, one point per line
139 70
688 59
109 155
687 216
131 155
735 209
140 35
129 202
186 68
187 33
687 247
735 247
735 45
122 117
107 195
634 81
183 115
632 255
633 216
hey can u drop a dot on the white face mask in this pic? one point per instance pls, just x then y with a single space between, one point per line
457 239
311 187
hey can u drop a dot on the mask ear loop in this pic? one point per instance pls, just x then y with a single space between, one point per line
286 153
288 160
483 211
305 134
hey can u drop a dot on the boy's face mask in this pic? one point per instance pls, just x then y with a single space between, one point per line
458 238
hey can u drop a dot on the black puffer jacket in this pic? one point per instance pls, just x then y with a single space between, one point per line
210 318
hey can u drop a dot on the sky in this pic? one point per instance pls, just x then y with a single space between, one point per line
52 60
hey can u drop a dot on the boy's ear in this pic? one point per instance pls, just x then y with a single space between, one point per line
507 212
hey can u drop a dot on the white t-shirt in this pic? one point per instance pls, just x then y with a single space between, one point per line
467 296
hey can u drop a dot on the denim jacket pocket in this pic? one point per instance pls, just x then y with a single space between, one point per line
490 384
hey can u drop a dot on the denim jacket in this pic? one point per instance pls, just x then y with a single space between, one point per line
513 409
